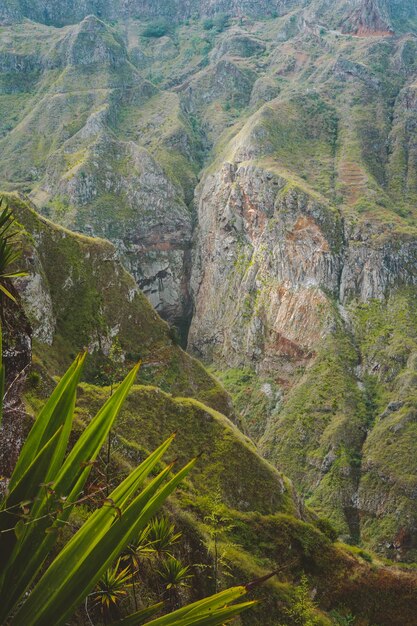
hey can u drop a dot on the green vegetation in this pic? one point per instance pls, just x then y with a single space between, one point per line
76 271
301 134
347 422
110 129
255 399
112 589
46 485
323 420
218 23
157 28
245 480
302 611
386 332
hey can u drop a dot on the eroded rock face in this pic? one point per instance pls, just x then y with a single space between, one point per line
17 355
94 166
78 296
302 132
371 268
266 253
58 13
279 280
268 256
154 237
367 18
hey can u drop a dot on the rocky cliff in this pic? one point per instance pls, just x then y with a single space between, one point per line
257 175
91 156
361 15
88 299
77 295
305 219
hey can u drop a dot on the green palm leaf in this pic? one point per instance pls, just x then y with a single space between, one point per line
58 410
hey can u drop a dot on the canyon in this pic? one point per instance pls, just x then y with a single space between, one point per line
254 166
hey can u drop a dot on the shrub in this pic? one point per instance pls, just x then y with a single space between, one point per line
208 23
218 23
156 29
221 22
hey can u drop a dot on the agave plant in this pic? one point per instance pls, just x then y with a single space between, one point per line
162 535
46 484
134 555
174 574
137 550
112 588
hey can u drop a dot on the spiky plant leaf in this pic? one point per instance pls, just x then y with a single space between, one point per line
92 550
34 544
140 617
57 412
78 567
9 252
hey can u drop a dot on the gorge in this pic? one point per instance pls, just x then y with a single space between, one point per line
246 170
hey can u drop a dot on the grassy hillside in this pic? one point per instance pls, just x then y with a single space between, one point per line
257 175
264 525
78 296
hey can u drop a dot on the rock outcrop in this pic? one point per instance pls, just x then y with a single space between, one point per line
264 259
17 356
89 165
258 178
367 19
77 295
299 232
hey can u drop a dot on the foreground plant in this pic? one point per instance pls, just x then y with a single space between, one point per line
44 488
9 252
174 576
112 589
137 550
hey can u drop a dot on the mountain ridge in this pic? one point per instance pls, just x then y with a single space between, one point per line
258 179
359 17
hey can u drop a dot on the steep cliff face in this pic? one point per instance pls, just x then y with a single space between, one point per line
85 161
258 176
367 18
323 311
89 299
265 259
305 219
280 277
77 296
304 200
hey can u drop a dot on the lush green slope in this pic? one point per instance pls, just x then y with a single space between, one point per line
78 296
258 176
266 526
264 529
